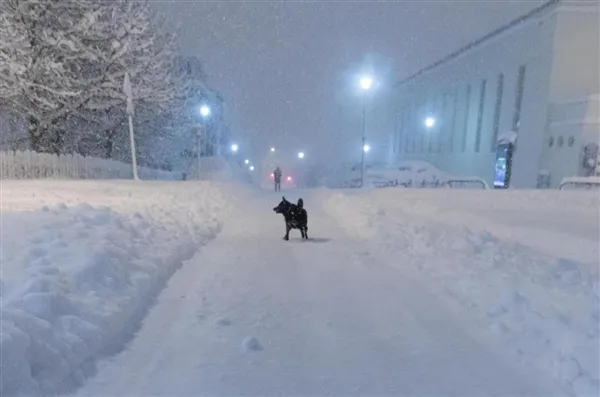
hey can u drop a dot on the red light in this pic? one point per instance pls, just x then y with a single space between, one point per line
289 178
272 176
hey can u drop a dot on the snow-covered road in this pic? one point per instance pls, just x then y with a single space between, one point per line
251 314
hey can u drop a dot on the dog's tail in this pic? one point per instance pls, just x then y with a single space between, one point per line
300 203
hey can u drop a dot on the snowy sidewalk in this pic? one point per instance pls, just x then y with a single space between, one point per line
253 315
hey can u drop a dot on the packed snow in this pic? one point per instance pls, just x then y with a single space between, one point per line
525 262
252 315
81 264
186 288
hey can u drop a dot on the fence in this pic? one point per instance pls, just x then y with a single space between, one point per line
32 165
587 182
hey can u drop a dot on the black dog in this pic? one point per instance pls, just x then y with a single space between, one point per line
295 217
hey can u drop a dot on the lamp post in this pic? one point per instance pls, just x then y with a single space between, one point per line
205 114
366 83
128 90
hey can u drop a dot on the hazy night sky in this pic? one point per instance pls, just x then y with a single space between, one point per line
286 68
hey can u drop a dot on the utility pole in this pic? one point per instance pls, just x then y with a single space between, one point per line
199 147
362 146
127 89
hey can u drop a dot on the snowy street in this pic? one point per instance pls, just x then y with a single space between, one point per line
187 288
443 187
330 317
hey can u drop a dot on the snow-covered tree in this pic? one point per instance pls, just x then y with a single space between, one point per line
131 38
40 78
15 51
73 59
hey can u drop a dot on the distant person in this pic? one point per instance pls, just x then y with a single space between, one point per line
277 178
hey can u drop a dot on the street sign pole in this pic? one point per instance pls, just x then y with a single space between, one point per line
129 92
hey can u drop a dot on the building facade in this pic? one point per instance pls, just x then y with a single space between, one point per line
536 78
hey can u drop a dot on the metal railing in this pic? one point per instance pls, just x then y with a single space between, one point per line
583 182
436 183
462 181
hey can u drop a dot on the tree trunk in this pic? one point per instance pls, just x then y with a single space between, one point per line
57 141
35 136
109 144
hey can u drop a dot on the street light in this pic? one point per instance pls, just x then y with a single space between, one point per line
246 161
205 114
234 148
272 149
366 83
429 122
301 155
366 148
251 168
204 111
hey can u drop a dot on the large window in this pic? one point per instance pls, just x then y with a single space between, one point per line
408 138
480 115
497 110
516 123
404 130
400 131
446 124
466 119
454 121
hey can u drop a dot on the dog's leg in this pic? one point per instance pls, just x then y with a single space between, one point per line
287 233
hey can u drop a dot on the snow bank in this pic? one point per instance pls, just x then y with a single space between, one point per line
218 169
82 262
544 306
405 173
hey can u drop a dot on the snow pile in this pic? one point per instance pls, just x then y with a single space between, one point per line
544 307
77 276
405 173
218 169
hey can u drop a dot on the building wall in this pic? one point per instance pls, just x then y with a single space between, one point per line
462 141
576 53
574 106
572 125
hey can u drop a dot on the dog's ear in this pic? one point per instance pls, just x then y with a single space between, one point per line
283 197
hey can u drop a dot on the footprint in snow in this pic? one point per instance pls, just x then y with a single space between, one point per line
251 344
222 322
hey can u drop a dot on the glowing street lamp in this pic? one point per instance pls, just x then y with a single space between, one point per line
429 122
301 155
234 148
272 149
366 82
251 168
204 111
246 161
205 114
